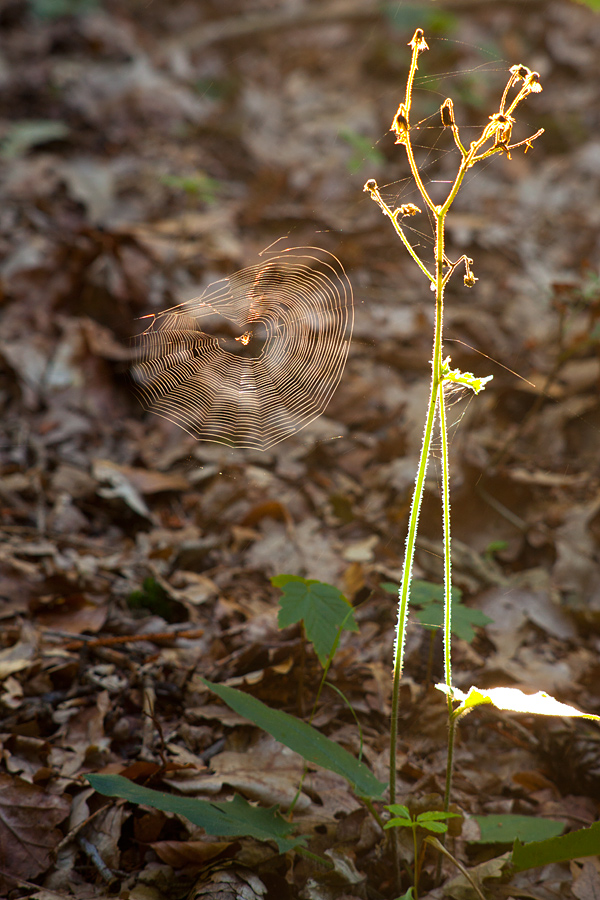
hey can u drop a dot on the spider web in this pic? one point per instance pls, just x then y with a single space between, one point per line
256 357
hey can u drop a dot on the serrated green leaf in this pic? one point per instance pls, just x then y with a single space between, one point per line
322 608
422 593
463 617
302 738
428 598
232 818
505 829
585 842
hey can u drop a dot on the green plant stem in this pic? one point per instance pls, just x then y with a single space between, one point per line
302 851
369 804
416 864
409 554
447 593
498 132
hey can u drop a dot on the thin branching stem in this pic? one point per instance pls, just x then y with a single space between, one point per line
497 132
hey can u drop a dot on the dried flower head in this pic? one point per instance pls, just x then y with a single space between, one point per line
400 124
418 42
533 82
447 113
407 209
503 127
520 72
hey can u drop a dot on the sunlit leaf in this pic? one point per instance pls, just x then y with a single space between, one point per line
515 700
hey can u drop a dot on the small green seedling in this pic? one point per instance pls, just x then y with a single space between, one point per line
152 599
199 186
431 820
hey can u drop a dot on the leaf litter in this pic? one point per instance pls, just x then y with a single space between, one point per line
135 562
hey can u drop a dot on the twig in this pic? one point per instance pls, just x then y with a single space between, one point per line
92 853
148 729
115 640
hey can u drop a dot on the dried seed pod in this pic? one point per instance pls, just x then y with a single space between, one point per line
418 42
520 71
447 113
533 82
400 125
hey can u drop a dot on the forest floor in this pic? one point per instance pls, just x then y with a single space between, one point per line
148 149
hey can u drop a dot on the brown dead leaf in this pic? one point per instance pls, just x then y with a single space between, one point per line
229 884
20 655
267 771
74 614
28 832
586 884
189 853
25 755
85 729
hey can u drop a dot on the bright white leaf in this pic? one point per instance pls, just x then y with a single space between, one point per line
541 704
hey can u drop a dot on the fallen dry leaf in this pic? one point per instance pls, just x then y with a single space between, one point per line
28 832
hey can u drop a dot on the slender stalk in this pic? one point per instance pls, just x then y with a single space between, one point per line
447 597
404 592
416 863
496 136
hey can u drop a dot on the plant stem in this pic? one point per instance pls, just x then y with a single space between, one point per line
416 864
497 132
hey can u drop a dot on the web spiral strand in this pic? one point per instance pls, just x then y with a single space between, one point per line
256 357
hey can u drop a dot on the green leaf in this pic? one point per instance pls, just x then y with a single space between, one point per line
400 823
399 810
434 815
504 829
409 895
515 700
389 587
232 818
467 379
302 738
422 593
438 827
585 842
322 607
429 599
592 4
463 618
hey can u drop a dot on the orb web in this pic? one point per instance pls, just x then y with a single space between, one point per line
256 357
